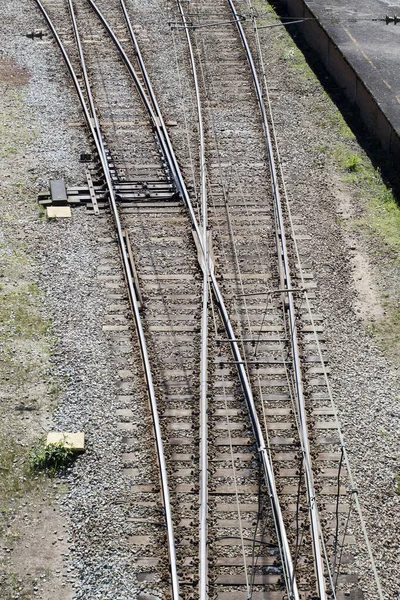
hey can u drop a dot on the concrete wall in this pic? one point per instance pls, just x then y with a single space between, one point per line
346 77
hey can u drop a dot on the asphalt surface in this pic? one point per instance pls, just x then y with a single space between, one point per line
371 46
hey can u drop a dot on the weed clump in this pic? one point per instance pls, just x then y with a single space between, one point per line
51 458
353 164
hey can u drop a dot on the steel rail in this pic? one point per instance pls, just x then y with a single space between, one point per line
352 485
203 545
163 137
149 101
161 129
204 320
162 132
203 550
94 127
151 105
314 515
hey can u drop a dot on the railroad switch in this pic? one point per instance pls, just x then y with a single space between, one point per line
94 194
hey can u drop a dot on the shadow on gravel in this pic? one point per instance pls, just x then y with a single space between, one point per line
379 157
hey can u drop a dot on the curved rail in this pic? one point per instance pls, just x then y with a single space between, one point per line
204 328
94 127
316 532
203 549
162 133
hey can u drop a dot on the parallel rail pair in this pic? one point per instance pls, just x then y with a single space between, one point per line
286 285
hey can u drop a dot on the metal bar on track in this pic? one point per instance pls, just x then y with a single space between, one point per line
96 134
187 25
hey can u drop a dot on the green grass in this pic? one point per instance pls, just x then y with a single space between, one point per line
388 332
335 119
50 458
353 164
385 218
14 474
19 314
28 386
14 586
16 137
383 212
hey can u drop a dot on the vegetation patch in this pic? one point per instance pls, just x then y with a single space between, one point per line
51 458
388 332
353 164
29 389
286 47
25 332
19 313
11 74
13 137
14 586
383 212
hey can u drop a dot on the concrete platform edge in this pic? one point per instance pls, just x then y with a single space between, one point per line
346 77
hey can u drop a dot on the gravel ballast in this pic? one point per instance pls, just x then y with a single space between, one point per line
351 268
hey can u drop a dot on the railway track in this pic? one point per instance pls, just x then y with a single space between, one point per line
250 463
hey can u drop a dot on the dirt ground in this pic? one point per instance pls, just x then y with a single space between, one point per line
32 541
